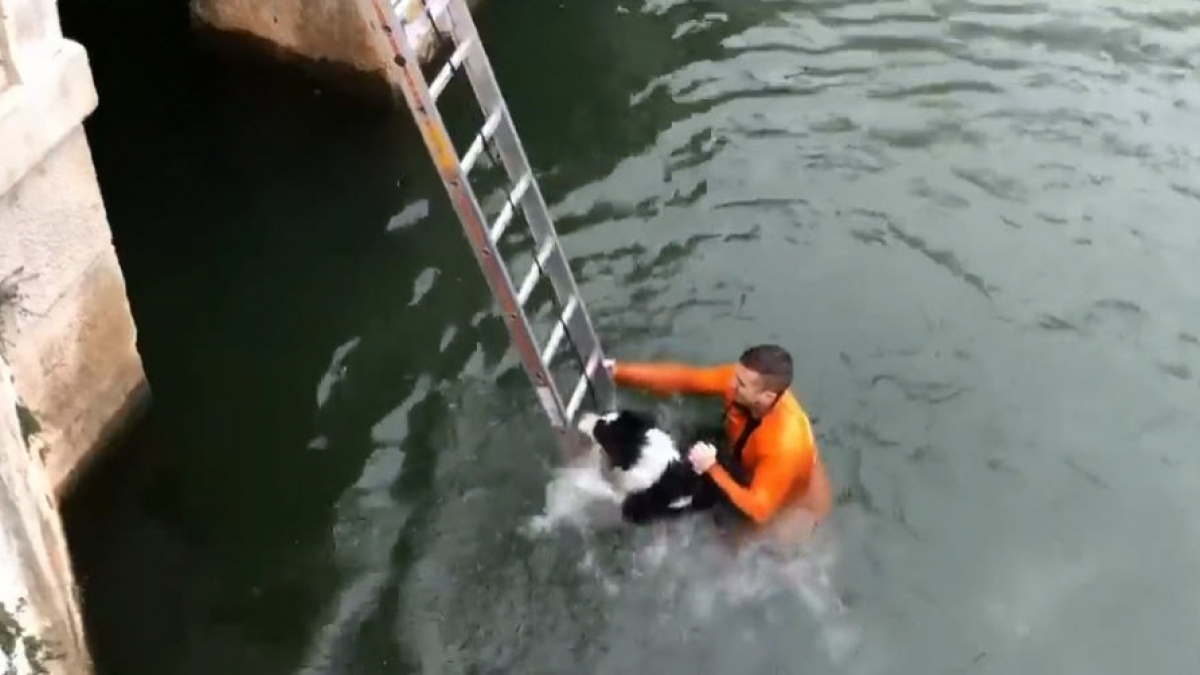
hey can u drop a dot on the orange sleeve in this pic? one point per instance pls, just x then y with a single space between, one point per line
788 460
674 378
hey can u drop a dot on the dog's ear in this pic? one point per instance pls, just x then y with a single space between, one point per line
602 432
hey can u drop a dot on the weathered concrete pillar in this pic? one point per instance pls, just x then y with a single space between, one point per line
65 324
333 39
40 626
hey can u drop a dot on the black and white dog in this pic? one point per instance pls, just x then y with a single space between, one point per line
649 471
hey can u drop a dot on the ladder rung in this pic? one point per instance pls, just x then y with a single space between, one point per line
581 387
560 330
447 72
531 279
506 213
489 128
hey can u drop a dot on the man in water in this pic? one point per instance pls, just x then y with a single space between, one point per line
768 432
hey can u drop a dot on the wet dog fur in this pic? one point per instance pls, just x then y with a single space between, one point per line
648 469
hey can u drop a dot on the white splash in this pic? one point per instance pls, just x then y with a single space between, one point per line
688 558
578 495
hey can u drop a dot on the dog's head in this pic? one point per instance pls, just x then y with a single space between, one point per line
620 435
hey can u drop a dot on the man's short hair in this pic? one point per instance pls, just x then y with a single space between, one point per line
772 362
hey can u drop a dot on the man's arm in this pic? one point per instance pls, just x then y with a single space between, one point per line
674 378
789 462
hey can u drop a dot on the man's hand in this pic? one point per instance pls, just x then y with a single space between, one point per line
702 456
610 365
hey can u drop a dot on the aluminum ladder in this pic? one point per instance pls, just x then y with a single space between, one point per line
402 22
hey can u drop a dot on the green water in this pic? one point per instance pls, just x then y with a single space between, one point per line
972 222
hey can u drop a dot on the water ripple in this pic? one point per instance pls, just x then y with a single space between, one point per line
942 258
852 177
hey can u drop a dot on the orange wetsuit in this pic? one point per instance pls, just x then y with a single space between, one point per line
781 453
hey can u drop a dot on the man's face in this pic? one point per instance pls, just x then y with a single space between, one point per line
748 389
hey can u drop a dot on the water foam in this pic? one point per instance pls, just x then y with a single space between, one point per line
579 496
690 564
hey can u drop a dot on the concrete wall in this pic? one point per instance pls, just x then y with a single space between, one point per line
334 39
70 374
40 627
65 324
68 358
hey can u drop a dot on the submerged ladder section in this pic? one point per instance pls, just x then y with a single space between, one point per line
402 21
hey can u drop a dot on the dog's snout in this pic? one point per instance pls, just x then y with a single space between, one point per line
587 422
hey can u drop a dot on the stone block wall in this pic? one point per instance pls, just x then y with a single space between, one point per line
66 328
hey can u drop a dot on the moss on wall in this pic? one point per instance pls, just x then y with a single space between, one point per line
18 645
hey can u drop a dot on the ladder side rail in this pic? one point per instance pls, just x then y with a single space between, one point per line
441 149
516 164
